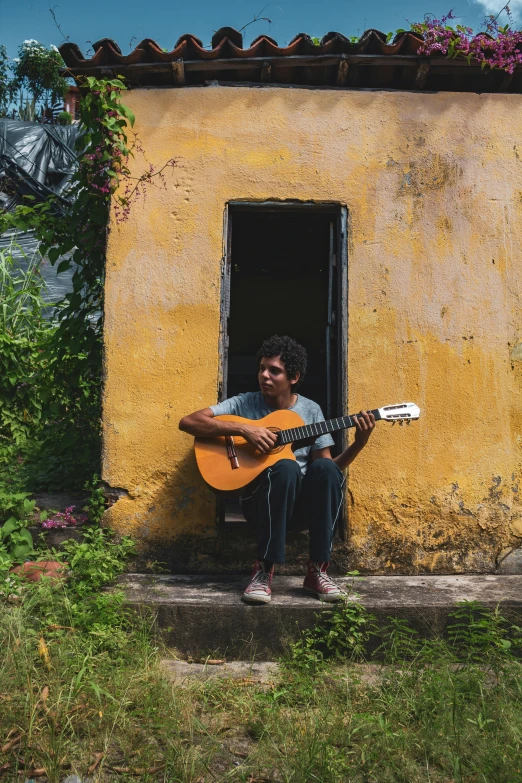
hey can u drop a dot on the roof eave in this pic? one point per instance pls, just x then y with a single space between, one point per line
353 71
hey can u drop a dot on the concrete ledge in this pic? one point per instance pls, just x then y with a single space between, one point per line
201 615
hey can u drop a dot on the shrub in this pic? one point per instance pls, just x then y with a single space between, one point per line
38 70
64 118
98 559
50 395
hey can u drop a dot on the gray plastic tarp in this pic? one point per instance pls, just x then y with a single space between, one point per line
23 247
45 152
37 159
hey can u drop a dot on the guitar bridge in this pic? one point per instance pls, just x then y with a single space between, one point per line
231 452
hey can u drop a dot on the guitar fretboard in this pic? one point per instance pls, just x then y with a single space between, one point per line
318 428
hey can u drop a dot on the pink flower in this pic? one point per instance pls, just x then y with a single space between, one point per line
65 518
498 47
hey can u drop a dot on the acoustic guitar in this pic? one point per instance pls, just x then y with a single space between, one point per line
229 462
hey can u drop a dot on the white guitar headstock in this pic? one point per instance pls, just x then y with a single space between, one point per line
405 411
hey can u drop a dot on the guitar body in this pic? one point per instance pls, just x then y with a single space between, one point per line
216 465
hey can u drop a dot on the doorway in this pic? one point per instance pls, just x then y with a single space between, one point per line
285 272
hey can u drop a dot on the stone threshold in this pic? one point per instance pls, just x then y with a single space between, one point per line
203 615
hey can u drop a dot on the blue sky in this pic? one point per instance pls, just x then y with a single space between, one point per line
165 20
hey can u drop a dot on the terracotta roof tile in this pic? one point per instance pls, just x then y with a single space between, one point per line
370 62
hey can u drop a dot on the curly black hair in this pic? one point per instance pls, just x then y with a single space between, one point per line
289 351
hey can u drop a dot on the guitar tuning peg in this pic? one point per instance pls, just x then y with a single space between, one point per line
401 423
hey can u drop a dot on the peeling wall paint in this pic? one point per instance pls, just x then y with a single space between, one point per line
433 185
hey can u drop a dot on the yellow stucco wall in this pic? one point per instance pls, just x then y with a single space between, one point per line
433 184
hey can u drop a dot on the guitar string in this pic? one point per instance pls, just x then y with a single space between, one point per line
302 433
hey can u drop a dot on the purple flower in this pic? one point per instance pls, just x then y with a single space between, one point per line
65 518
499 47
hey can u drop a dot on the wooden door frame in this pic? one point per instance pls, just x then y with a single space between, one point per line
271 205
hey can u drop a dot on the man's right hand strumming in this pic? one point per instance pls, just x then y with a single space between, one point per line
202 424
259 437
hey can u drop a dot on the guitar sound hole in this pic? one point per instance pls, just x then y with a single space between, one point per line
276 449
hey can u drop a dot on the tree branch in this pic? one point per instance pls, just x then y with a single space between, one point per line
55 20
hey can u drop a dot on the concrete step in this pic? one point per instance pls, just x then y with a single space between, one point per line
203 615
246 672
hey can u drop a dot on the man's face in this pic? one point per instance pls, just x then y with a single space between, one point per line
272 377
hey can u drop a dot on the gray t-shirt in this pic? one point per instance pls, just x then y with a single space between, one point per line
253 406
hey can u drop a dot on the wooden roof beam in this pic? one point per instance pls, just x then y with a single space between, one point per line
178 73
421 75
266 71
505 84
342 71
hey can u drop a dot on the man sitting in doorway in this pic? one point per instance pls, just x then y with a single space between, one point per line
303 494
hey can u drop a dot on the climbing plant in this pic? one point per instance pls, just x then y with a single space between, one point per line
76 232
497 46
73 232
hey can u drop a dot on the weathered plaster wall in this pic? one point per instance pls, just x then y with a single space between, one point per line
433 184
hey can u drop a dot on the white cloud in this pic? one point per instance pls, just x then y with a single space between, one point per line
494 6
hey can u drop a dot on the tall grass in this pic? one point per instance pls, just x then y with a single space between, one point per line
82 688
21 293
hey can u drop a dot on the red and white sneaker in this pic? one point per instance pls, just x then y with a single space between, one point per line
318 582
259 590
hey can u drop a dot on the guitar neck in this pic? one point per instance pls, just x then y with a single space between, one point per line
318 428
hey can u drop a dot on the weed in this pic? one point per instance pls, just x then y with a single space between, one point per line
97 559
399 641
96 502
16 541
341 632
477 633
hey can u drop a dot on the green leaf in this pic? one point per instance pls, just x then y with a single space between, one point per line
128 113
53 255
28 507
63 266
25 536
9 527
20 551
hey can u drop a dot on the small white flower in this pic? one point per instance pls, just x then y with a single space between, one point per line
16 59
54 48
31 41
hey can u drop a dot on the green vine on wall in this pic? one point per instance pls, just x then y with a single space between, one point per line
76 230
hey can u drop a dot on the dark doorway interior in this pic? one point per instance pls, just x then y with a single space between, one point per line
284 276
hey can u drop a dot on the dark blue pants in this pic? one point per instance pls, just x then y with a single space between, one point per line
282 499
